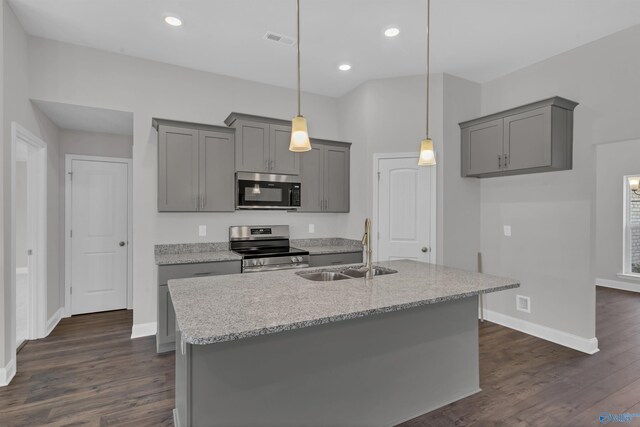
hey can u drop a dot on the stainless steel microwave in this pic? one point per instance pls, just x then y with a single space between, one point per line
267 191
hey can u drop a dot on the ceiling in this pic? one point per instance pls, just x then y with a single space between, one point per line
88 119
475 39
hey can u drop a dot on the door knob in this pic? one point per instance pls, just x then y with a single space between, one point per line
424 249
121 243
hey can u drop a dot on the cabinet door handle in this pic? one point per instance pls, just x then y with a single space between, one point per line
506 160
195 202
266 164
499 161
271 165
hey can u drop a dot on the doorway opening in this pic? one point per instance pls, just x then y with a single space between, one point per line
28 233
404 208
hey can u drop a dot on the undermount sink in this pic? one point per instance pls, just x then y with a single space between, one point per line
349 273
324 276
377 271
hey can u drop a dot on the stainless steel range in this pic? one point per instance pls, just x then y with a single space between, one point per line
265 248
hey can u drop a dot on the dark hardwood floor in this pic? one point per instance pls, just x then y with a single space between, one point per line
89 372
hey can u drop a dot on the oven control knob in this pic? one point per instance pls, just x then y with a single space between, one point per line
262 262
254 262
294 259
300 259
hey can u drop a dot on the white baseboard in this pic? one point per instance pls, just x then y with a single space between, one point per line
54 320
616 284
585 345
144 329
7 373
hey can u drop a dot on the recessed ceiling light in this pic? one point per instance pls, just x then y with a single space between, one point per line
173 21
391 32
344 67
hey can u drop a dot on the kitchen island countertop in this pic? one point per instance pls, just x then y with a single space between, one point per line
217 309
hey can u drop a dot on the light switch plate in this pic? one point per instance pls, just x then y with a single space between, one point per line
202 230
507 230
312 228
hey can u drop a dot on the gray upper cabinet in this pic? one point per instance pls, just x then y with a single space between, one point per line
252 146
336 179
325 177
282 160
262 145
484 147
195 167
312 179
216 171
536 137
177 169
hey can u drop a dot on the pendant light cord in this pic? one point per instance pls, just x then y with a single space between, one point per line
298 44
428 52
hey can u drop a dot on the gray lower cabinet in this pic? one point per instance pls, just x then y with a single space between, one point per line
537 137
322 260
195 167
165 335
262 145
325 177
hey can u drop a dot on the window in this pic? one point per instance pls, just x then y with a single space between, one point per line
632 225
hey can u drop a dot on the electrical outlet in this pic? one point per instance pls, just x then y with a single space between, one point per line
523 304
312 228
507 230
202 231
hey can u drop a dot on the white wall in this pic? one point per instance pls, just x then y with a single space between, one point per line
18 108
94 144
6 352
460 197
614 161
552 250
60 72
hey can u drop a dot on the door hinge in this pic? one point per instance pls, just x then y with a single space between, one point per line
71 290
379 173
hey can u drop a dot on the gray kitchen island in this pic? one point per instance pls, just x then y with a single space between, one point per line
277 349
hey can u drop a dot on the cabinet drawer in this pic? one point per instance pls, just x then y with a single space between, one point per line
335 259
184 271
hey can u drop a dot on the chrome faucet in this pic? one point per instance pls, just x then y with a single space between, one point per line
366 242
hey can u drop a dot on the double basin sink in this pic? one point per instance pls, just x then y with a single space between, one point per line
347 273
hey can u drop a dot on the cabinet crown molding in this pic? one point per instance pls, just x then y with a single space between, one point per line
554 101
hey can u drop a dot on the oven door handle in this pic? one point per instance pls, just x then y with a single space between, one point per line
274 267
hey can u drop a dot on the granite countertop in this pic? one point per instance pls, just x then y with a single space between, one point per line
224 308
327 245
197 257
190 253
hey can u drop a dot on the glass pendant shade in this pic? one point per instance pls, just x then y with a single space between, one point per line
299 135
634 184
427 155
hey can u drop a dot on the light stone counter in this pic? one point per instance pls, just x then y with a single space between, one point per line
226 308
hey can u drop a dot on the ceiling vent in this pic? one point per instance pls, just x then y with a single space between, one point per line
279 38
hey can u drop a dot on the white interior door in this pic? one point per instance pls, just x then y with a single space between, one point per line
98 232
404 210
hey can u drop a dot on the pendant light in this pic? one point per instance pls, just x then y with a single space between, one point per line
427 155
299 134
